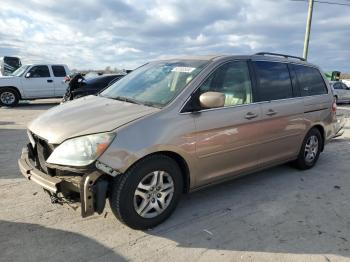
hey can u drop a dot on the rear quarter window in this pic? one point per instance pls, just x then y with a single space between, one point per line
58 71
310 81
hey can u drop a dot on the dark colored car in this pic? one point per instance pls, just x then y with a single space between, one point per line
79 86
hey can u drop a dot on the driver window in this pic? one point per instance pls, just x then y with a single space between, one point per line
39 71
233 80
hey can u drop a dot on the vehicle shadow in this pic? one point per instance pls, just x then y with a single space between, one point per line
31 242
279 210
36 105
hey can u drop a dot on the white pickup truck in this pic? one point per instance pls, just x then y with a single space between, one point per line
33 82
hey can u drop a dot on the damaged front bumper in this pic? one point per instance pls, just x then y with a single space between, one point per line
91 188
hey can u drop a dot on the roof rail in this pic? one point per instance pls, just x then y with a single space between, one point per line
285 56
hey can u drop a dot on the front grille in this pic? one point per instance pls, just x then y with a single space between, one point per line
42 151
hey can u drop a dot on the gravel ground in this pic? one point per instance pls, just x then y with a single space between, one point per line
280 214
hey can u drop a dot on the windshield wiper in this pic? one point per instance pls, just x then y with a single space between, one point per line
131 100
126 99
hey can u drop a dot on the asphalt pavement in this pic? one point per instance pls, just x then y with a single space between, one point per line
280 214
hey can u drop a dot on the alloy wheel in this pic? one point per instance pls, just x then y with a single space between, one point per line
7 98
153 194
311 149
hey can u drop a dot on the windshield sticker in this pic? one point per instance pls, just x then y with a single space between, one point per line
183 69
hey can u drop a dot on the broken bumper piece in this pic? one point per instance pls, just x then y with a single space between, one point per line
91 187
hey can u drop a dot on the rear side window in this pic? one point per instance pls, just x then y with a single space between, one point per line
273 80
59 71
310 81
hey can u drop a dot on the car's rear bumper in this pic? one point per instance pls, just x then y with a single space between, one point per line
91 187
339 126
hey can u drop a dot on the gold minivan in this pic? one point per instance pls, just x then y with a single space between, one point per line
178 125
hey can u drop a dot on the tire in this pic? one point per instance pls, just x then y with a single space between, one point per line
336 100
125 202
8 97
307 158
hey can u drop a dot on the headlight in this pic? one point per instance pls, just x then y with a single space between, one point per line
81 151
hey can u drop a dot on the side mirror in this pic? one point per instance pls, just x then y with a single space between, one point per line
212 99
27 75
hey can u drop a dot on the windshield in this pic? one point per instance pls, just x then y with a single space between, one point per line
20 71
155 84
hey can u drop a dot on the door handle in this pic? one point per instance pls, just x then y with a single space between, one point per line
49 80
271 112
250 115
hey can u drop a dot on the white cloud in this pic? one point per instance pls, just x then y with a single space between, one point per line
164 14
253 41
98 33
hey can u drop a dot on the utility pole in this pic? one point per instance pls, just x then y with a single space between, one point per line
308 27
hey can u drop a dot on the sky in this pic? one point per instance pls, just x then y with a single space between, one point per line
94 34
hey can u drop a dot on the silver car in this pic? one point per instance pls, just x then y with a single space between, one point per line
179 125
341 91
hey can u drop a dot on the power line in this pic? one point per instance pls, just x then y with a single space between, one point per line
331 3
323 2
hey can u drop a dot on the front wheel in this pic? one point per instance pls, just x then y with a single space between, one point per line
310 150
8 97
147 193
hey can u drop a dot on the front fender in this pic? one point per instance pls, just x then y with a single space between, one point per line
154 134
11 82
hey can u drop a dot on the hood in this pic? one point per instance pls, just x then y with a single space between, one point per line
8 79
88 115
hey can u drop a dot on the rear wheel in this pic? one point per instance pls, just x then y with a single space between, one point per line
8 97
147 193
310 150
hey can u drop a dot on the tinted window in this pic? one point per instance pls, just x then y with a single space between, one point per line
39 71
58 71
344 86
310 81
274 80
337 86
233 80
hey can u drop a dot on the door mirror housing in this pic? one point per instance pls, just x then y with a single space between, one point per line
27 75
212 99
